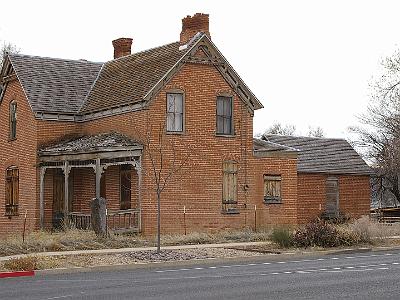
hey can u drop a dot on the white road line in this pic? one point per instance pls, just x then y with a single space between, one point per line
334 258
395 263
349 267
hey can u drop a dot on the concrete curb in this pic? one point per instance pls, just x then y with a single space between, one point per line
16 274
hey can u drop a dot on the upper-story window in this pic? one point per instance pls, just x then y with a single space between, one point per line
174 112
224 115
13 120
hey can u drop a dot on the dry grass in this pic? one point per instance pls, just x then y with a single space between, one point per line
43 241
73 239
372 231
28 263
226 236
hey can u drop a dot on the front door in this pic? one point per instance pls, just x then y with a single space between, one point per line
58 197
332 197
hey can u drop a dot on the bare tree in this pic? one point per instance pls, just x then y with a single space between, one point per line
315 132
166 162
278 128
379 134
7 48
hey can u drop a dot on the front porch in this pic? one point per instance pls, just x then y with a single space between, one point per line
75 171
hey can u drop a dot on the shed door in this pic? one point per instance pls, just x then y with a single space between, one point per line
332 196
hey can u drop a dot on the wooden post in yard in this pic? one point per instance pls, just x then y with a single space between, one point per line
255 218
184 218
23 233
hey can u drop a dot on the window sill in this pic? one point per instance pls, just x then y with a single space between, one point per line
11 140
225 135
175 132
232 211
272 201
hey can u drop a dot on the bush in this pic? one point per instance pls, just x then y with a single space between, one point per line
323 234
28 263
282 236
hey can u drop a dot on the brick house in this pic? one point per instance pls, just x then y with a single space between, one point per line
73 130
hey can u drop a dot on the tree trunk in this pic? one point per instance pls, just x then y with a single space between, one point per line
158 222
98 211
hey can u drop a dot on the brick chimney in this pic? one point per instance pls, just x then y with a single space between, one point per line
122 47
192 25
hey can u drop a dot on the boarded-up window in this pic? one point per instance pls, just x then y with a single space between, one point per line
125 186
174 112
272 189
12 191
13 120
332 197
229 189
224 115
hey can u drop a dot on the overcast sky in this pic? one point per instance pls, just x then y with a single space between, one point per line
308 62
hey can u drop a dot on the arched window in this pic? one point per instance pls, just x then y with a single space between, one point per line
12 191
13 120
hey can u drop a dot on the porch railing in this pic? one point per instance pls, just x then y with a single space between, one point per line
126 220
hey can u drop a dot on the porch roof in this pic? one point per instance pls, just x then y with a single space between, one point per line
103 142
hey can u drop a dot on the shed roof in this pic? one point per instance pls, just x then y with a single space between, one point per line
323 155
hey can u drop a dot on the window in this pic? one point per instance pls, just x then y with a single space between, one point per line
12 191
125 186
229 188
224 115
13 120
272 189
332 197
174 112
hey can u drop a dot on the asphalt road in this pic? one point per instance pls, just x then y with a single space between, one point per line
370 275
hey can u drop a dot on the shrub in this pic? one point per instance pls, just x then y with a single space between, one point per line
323 234
282 236
27 263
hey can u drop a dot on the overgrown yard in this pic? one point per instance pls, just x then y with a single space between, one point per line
315 235
71 239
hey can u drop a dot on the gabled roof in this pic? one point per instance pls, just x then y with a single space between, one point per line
323 155
55 85
91 143
82 88
127 80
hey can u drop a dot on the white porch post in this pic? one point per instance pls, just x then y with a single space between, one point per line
138 168
66 191
98 177
41 196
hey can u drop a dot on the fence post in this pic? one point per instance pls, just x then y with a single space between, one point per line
184 218
23 233
255 218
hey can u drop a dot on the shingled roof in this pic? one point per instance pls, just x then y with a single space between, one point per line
55 85
262 146
323 155
91 143
128 79
81 88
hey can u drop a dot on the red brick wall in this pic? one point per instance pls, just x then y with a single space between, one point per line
22 154
199 186
354 195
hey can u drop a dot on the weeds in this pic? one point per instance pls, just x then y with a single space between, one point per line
282 236
28 263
